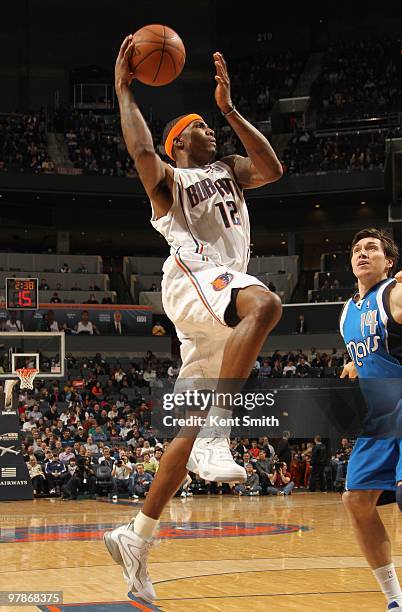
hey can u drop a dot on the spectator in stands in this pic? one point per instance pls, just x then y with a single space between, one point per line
49 323
280 479
267 447
99 435
66 455
277 370
113 415
82 269
76 448
97 391
303 369
85 326
55 471
153 287
106 458
55 299
150 378
114 436
158 453
37 476
147 448
90 446
28 448
141 482
172 372
107 299
318 462
158 329
283 451
43 286
35 413
137 457
263 467
92 299
81 436
75 287
271 287
71 483
13 324
254 450
121 476
265 370
81 476
340 462
117 326
246 458
29 425
51 414
335 359
289 369
252 485
301 326
318 364
151 465
65 268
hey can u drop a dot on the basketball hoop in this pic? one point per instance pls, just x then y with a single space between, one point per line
27 377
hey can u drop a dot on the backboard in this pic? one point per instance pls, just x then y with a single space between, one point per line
42 350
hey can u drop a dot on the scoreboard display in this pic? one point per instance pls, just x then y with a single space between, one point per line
22 294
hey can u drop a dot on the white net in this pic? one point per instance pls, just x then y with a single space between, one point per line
27 377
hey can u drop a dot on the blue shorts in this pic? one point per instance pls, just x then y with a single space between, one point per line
375 464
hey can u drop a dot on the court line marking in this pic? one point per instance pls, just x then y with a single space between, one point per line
207 575
264 571
155 564
264 595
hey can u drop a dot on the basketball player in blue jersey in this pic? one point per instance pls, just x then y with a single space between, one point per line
371 326
222 315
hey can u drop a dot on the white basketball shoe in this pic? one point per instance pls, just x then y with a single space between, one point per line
131 552
212 460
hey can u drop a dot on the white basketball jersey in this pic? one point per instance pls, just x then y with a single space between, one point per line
208 218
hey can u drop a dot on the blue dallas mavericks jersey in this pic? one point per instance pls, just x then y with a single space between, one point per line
374 342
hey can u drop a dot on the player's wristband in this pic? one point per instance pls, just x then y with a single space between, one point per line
230 111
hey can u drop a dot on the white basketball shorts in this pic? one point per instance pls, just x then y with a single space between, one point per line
195 296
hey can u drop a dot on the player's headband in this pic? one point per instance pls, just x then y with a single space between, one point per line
177 130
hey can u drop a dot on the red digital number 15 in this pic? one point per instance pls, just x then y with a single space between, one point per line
24 298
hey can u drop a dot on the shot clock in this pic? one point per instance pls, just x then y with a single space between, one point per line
22 293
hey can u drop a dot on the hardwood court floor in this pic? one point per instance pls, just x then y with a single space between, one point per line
216 553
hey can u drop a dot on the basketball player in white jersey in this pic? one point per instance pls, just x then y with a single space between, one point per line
222 315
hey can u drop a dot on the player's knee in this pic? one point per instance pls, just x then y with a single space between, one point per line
359 503
267 309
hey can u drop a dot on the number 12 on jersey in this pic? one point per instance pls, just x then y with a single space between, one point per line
230 206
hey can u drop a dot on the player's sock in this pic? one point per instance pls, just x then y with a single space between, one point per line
389 583
144 526
214 427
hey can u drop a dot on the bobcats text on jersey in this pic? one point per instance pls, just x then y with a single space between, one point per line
204 189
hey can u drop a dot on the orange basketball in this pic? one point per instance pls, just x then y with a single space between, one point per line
159 55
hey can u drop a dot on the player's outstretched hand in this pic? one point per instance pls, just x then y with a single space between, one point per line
349 371
122 71
222 91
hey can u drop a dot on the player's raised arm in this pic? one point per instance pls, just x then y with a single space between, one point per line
155 175
262 165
